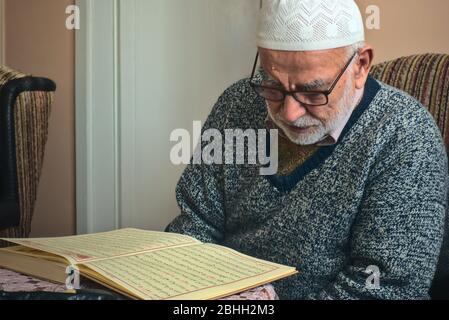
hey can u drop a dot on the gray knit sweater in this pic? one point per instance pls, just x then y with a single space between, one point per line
378 197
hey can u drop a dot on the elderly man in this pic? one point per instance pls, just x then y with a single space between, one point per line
362 178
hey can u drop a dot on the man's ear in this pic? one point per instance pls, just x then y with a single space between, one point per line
363 66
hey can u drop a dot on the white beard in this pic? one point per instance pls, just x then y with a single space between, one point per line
320 129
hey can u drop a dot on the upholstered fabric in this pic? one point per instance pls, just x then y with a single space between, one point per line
25 103
426 78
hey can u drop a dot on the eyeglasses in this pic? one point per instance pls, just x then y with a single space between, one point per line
307 98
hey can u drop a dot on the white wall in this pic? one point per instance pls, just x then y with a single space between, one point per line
2 32
171 61
185 54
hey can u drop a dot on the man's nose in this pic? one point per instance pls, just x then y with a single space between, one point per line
292 110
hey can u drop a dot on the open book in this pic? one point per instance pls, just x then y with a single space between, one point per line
144 264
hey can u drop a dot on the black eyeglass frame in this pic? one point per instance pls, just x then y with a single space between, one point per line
286 93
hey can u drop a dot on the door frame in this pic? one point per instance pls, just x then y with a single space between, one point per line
97 74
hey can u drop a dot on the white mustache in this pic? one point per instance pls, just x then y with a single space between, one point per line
303 122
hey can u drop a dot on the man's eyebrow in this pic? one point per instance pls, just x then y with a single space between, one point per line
310 86
313 85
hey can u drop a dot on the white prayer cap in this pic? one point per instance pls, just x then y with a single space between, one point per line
306 25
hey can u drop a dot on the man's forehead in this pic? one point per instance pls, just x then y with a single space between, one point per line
300 60
318 67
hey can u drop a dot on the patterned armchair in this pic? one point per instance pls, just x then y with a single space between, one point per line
25 103
425 77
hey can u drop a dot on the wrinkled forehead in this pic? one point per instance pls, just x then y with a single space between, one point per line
302 66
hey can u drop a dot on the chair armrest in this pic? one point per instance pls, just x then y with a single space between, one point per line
9 189
10 213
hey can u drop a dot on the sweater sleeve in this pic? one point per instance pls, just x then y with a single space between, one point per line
400 225
200 192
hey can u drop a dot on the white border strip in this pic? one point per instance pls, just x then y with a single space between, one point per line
83 102
97 117
117 114
128 31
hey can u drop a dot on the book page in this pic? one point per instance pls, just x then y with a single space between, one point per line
30 252
203 271
77 249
